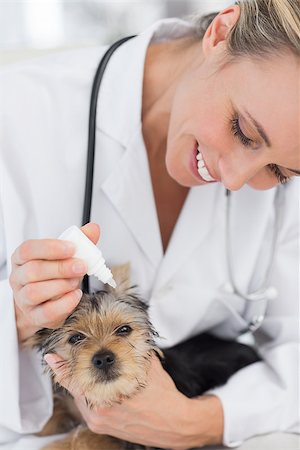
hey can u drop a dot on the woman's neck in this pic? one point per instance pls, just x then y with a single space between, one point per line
165 64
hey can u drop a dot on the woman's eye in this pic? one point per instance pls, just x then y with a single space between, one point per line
123 330
247 142
278 174
75 338
236 130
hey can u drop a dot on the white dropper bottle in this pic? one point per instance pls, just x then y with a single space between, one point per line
90 253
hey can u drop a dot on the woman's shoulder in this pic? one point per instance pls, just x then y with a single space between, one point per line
57 78
48 63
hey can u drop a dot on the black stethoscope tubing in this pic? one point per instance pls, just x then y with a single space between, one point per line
89 177
92 129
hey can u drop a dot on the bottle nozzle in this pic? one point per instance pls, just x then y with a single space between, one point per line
112 283
86 250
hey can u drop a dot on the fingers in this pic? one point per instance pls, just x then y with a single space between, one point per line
53 361
39 270
57 365
45 278
53 312
92 231
49 249
33 294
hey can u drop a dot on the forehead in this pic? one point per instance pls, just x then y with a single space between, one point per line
270 90
103 314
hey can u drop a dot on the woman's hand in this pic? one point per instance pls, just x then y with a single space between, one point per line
158 416
45 281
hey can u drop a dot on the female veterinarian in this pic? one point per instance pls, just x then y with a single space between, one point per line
186 114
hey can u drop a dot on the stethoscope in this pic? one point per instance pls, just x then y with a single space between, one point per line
255 302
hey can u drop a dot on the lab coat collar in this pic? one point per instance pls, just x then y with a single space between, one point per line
120 97
128 185
129 189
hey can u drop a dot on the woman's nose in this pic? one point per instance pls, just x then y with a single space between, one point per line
234 175
236 170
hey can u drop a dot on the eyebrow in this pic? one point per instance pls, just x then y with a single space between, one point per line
265 137
260 130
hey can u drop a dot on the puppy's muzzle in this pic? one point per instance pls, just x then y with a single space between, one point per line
106 368
104 360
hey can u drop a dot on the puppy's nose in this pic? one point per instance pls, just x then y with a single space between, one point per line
103 360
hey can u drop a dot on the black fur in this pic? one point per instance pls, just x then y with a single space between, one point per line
204 362
201 363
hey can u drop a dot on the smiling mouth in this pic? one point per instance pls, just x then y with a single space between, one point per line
202 169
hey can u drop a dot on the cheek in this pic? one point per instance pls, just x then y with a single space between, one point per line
188 102
263 180
199 111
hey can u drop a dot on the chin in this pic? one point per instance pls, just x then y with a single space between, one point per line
263 186
182 177
185 181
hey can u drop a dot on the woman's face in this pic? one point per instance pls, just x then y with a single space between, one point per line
212 110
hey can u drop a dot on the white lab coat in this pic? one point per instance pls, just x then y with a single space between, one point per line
44 123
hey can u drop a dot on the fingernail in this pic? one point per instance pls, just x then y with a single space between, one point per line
69 248
79 267
78 293
50 359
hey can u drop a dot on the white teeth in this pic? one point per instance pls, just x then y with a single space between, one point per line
201 163
202 170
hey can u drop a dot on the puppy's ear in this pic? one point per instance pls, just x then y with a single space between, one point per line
121 274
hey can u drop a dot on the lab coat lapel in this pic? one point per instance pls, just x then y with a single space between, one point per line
192 227
120 97
204 216
129 189
128 185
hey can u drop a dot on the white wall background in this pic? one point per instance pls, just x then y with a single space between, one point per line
45 24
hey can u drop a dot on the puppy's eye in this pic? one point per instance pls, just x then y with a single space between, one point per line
76 338
123 330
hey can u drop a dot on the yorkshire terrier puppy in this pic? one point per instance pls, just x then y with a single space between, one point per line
106 344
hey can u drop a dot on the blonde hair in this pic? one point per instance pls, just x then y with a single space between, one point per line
263 28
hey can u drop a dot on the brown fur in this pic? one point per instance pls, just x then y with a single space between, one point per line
97 323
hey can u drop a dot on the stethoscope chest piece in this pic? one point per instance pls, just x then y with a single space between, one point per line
255 303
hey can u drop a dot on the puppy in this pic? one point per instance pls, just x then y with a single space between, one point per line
106 345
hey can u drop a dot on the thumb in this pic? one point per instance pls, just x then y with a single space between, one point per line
61 372
92 231
56 363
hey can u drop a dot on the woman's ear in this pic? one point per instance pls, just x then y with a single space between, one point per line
219 28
